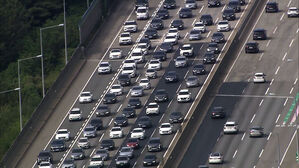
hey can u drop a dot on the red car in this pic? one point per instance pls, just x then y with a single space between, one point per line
133 143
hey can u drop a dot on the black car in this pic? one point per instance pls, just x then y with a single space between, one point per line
151 33
161 95
129 112
154 145
77 154
121 121
271 7
259 34
107 144
124 79
235 5
206 19
150 160
214 3
213 47
176 117
218 37
97 123
141 3
109 98
144 122
167 47
160 55
134 103
169 4
252 47
195 35
185 13
58 145
44 156
209 58
157 24
218 112
177 24
199 69
228 14
102 110
162 14
171 76
146 41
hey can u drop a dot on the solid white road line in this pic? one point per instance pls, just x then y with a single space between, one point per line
288 148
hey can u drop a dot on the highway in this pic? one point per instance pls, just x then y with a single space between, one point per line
249 104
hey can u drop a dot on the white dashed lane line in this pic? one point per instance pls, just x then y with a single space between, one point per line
282 16
252 118
284 56
235 153
278 117
268 43
261 102
291 43
261 153
275 30
277 70
269 136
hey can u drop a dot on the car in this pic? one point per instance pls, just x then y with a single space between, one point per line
130 70
142 13
218 37
162 13
242 2
223 25
259 34
213 47
96 161
144 49
115 53
138 133
122 161
177 23
85 97
141 3
104 68
130 62
166 47
195 35
165 129
125 38
145 83
259 77
154 145
145 41
63 134
186 50
152 108
215 158
180 61
84 143
271 7
159 55
184 96
229 14
130 26
68 163
203 166
116 89
138 55
172 39
174 32
133 143
137 91
77 154
191 4
44 156
185 13
157 24
214 3
151 33
198 69
75 114
102 110
58 145
116 132
235 5
120 121
124 79
293 12
129 112
110 98
176 117
150 160
218 112
206 19
155 64
107 144
161 95
97 123
169 4
192 81
230 127
252 47
256 131
134 103
90 132
200 26
102 153
151 73
45 165
126 151
171 76
144 122
209 58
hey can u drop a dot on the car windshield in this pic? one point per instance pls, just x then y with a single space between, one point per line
153 106
96 159
151 31
198 24
144 81
129 61
156 21
160 92
89 129
116 87
176 114
121 158
136 54
192 78
104 65
57 142
165 126
141 10
222 23
133 100
103 107
183 93
85 94
128 68
130 23
77 150
144 119
217 35
177 22
233 3
119 118
170 37
116 129
186 48
181 59
101 151
62 132
125 35
107 142
195 32
154 62
137 130
213 45
126 150
173 31
75 112
171 73
185 10
137 88
110 95
83 140
154 141
150 70
149 157
205 17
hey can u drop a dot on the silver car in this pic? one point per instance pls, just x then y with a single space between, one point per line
69 163
84 143
192 81
122 161
126 151
180 61
102 153
151 73
137 91
256 132
90 131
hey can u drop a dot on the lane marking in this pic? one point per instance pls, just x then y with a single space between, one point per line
291 43
119 107
179 88
286 118
291 90
255 96
289 3
261 153
268 43
178 11
252 118
260 58
295 81
243 137
277 70
169 103
201 9
269 136
110 121
285 153
297 30
282 16
216 20
261 102
271 82
209 34
193 22
267 91
223 8
161 118
277 118
186 74
235 153
284 56
285 102
185 36
275 30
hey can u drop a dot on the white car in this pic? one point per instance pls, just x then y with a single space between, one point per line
96 161
145 83
259 78
138 55
180 61
200 26
184 96
142 13
130 26
75 114
223 26
152 108
116 132
174 32
115 53
129 63
186 50
117 89
230 127
293 12
171 39
129 70
155 64
63 134
104 67
125 38
85 97
143 47
165 129
138 133
215 158
45 165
